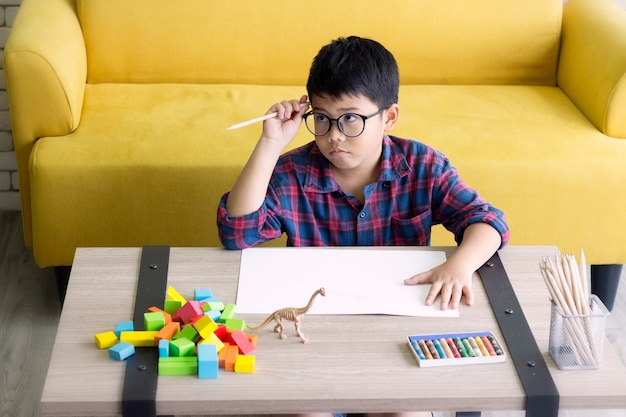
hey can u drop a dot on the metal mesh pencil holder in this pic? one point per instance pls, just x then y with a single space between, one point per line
577 341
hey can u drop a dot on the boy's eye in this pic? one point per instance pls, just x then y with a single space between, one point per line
321 118
349 118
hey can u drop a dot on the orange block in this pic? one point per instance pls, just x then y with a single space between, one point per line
166 315
221 355
231 355
167 332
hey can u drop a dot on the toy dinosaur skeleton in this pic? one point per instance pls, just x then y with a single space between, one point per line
292 314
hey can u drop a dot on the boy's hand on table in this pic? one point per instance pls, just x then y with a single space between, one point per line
449 281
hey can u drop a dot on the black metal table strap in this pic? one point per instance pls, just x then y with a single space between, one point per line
542 396
141 377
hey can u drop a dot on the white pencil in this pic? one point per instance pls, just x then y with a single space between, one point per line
252 121
258 119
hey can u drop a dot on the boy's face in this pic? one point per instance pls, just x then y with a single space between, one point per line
360 154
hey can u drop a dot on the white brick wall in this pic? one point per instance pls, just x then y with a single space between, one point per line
9 187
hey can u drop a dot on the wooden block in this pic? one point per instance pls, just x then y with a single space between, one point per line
105 340
244 364
121 351
188 332
124 326
205 326
202 293
221 355
228 312
168 331
187 312
232 351
172 294
171 306
222 332
208 364
153 321
252 338
166 315
139 338
235 324
212 339
182 347
164 348
214 314
178 366
213 305
240 339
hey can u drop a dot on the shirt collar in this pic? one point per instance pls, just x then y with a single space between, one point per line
319 176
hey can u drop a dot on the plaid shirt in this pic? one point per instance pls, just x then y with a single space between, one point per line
416 189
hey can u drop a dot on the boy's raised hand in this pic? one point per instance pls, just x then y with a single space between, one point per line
284 127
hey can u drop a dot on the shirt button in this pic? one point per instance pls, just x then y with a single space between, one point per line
385 185
362 214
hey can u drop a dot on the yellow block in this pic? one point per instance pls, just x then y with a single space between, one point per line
244 363
172 294
106 339
139 338
205 326
212 339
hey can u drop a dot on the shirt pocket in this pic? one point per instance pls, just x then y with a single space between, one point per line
411 231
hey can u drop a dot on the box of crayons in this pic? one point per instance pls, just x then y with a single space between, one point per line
456 349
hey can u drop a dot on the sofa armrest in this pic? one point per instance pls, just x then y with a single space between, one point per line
45 68
592 65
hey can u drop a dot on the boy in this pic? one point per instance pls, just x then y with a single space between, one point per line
354 185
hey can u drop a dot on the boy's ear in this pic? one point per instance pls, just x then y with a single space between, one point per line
391 116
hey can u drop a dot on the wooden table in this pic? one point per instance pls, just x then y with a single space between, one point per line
352 363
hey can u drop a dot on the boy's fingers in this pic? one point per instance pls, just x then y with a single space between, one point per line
419 278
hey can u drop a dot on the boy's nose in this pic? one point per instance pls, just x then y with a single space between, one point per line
335 134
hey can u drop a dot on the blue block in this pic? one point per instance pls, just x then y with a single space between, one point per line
164 348
208 364
125 326
202 293
214 314
121 351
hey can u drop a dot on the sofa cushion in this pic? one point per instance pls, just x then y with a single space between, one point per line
199 41
149 157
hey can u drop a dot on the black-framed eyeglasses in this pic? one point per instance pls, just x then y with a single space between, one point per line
350 124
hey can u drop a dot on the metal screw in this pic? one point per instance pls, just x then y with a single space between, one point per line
142 367
154 266
532 364
509 311
489 264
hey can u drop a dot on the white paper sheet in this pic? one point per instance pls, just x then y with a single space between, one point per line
357 281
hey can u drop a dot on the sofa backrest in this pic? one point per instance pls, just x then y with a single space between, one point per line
273 42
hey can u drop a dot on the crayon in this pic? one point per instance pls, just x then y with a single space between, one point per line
417 349
468 348
453 348
496 345
425 350
432 349
446 348
440 351
481 346
460 347
474 346
489 346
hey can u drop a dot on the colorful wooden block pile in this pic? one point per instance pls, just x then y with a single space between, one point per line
194 337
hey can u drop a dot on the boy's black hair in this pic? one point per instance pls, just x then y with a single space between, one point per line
354 66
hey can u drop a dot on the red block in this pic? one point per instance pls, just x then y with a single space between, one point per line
222 332
188 312
240 339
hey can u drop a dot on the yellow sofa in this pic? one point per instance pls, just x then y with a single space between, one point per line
120 108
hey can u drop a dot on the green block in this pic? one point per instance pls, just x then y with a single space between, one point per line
178 366
171 306
228 312
182 348
188 332
153 321
212 305
235 324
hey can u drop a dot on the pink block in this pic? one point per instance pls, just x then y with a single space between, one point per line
188 312
240 339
